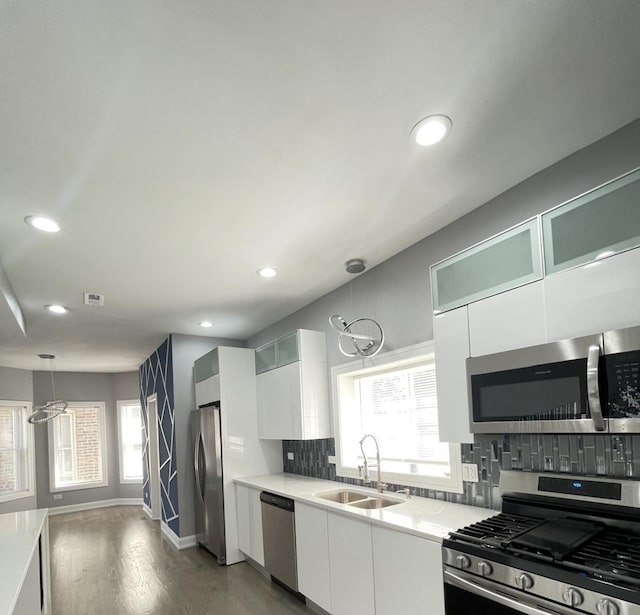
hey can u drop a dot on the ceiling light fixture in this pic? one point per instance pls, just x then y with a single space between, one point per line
49 410
206 324
267 272
57 309
365 335
431 130
43 224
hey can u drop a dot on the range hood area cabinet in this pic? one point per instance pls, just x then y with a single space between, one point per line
293 387
572 303
514 319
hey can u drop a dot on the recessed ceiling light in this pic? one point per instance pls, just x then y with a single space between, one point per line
267 272
432 129
57 309
43 224
206 324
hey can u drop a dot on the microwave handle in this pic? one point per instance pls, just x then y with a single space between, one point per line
593 387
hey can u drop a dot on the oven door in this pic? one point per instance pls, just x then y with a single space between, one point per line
465 594
552 388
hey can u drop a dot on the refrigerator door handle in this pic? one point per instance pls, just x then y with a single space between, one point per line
196 465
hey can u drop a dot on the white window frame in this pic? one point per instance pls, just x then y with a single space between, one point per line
30 456
100 405
119 405
385 362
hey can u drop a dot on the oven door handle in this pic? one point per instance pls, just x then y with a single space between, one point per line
593 387
502 599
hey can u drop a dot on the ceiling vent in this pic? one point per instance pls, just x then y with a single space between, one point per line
93 299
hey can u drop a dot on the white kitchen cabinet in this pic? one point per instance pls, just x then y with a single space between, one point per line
451 345
603 221
249 516
493 266
312 550
293 399
407 574
510 320
351 566
597 297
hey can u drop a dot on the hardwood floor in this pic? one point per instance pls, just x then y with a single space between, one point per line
114 561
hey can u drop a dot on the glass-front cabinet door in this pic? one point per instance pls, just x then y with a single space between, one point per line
600 223
266 358
288 351
207 366
508 260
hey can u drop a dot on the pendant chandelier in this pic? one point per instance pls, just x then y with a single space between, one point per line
49 410
362 337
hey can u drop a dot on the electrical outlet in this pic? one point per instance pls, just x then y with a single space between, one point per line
331 459
470 472
57 496
290 456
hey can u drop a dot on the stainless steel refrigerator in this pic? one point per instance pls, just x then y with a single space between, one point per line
209 493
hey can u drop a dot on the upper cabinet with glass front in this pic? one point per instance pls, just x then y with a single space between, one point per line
597 224
501 263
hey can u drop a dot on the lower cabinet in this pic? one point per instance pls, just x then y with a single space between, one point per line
407 574
249 523
351 566
312 550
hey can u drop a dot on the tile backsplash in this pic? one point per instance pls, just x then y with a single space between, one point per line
586 454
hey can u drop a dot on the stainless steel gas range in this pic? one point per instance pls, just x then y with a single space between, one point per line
562 544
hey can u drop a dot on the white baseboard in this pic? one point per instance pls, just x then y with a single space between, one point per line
61 510
179 543
147 511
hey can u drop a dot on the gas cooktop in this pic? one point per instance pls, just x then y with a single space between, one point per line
562 544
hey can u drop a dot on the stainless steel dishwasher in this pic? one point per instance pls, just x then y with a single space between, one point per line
279 536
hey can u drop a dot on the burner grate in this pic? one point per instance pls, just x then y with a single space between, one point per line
496 531
613 555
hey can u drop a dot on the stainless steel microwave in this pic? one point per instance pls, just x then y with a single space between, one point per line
586 384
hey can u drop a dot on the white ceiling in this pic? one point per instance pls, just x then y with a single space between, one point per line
182 145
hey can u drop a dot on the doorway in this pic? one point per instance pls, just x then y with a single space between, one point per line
154 457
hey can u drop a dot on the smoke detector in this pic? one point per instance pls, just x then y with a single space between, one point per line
93 299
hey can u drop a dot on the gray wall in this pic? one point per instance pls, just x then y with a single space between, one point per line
186 349
73 386
16 385
397 292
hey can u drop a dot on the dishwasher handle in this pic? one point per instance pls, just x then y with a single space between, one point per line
276 500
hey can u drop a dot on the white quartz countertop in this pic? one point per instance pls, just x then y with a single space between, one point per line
19 533
424 517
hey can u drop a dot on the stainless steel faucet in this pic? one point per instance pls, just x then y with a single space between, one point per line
366 479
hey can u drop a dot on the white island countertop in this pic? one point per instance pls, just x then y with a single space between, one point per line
19 534
424 517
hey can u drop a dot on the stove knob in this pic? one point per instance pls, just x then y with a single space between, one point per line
572 596
606 607
524 581
485 569
463 561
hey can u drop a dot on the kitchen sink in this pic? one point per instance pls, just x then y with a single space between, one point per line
342 497
374 503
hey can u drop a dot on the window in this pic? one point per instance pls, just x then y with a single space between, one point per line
130 441
77 447
393 397
16 451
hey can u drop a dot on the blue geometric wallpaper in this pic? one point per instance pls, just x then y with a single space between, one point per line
156 376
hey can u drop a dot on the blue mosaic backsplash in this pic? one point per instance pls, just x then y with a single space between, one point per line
592 455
